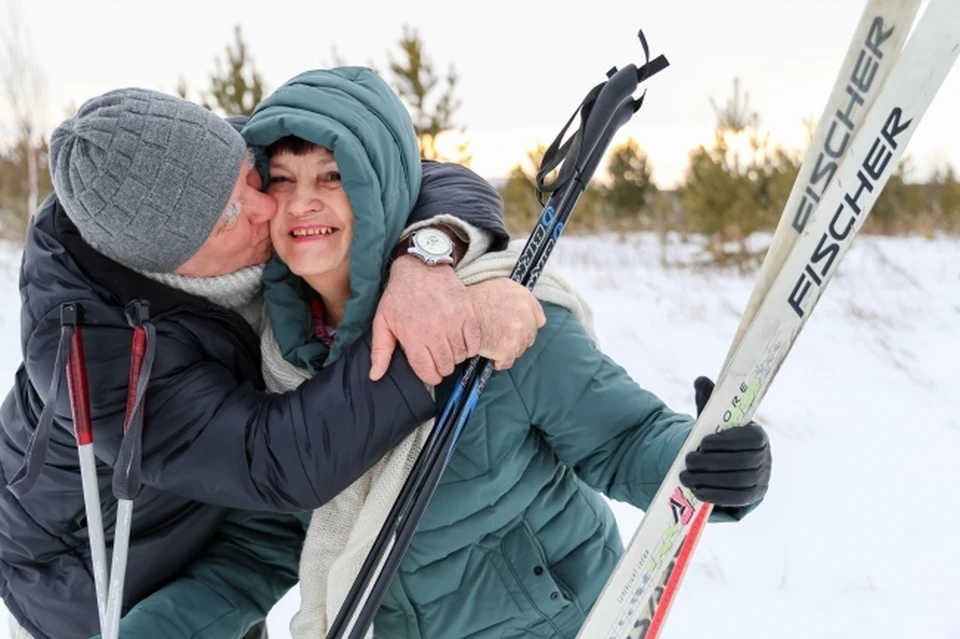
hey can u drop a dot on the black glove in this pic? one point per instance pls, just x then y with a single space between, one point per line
730 468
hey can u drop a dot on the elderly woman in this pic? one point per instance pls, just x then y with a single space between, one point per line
518 540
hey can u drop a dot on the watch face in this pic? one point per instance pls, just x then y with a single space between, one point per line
433 242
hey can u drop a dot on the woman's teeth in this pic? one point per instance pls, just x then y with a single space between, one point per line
306 232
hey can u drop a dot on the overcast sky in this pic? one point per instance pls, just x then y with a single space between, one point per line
525 64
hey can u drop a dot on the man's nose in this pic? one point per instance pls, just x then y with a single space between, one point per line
260 207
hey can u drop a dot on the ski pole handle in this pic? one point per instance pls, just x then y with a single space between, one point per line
620 117
617 89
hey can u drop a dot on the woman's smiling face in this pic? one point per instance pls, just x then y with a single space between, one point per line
313 227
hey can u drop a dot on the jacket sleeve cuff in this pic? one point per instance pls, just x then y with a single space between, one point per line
725 514
452 189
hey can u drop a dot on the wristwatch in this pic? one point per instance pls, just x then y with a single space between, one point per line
430 244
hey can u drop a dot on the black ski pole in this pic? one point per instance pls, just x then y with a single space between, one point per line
607 107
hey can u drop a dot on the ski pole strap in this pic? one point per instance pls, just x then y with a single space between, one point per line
126 472
36 451
604 98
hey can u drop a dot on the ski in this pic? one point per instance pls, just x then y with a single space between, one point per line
874 49
629 605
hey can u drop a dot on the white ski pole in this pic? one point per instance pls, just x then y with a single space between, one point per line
72 315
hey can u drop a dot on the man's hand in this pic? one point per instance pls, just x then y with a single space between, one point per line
509 317
428 311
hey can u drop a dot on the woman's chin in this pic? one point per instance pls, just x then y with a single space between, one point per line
309 268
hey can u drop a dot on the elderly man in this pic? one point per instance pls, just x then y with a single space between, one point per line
157 232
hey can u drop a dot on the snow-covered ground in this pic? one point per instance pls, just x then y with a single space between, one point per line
854 537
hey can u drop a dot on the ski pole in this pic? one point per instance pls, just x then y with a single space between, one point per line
109 585
71 315
607 107
137 313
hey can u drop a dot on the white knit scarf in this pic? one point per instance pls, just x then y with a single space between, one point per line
239 291
342 532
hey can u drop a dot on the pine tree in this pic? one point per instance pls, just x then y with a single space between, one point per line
630 190
738 185
417 84
236 88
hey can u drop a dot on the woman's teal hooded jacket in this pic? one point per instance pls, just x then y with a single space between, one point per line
518 540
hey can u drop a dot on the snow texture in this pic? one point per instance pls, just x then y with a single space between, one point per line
854 537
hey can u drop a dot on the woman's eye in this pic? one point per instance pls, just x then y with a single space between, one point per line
334 176
279 178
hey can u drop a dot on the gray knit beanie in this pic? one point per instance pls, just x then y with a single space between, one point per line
145 176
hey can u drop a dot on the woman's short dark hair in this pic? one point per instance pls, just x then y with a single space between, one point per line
291 144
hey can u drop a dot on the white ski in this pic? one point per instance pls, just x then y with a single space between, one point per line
874 49
675 515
